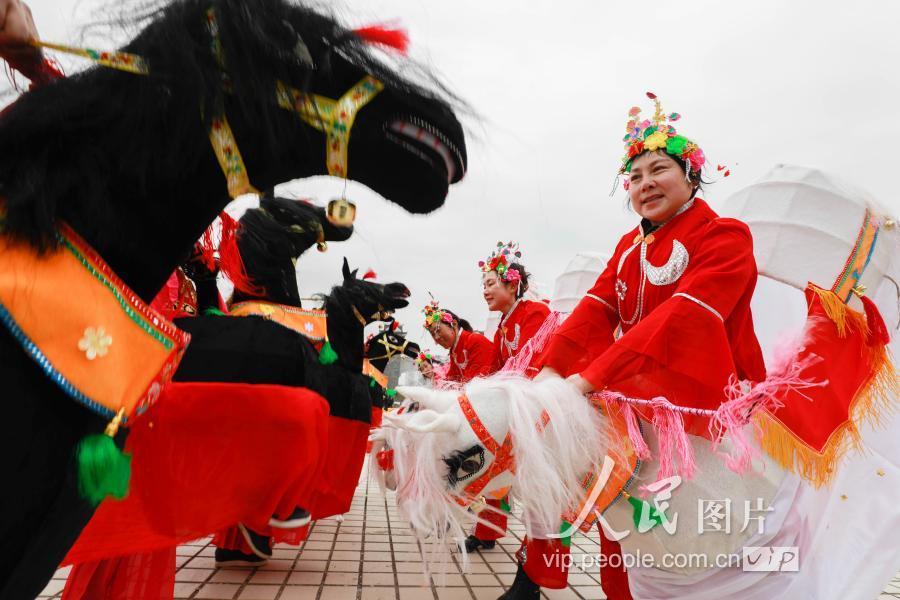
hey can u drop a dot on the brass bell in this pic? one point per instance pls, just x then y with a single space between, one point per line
341 212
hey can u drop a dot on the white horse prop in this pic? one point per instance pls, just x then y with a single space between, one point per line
541 441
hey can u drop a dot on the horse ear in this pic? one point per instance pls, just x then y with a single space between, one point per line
437 401
426 421
345 270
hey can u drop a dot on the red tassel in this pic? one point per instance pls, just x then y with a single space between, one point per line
878 333
385 459
206 248
370 274
396 39
230 262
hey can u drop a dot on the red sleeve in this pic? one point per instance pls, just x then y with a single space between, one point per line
589 330
481 356
681 349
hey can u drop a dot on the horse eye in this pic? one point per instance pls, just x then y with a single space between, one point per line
464 465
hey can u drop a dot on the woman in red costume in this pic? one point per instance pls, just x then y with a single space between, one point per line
678 287
471 354
504 282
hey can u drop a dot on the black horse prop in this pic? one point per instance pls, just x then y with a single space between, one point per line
126 161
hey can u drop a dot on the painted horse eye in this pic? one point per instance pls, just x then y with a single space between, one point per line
464 464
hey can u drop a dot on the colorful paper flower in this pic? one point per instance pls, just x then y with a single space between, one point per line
656 141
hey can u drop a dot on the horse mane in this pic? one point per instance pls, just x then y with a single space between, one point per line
80 144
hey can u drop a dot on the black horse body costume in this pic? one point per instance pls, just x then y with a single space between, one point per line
315 453
254 348
116 156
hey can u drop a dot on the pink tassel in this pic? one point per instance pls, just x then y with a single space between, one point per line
745 399
672 440
535 345
641 449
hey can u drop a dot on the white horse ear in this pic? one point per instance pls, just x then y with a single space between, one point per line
425 421
428 398
413 393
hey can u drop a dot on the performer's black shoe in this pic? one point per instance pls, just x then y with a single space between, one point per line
258 543
236 558
473 544
298 518
522 588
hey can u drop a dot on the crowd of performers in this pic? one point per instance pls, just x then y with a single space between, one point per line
669 316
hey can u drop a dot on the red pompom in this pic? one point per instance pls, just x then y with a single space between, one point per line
396 39
370 274
651 95
385 459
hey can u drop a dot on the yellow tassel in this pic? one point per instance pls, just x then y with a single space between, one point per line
873 402
839 312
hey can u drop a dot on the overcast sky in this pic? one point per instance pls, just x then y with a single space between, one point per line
757 83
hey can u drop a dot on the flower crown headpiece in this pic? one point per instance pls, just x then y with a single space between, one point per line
500 261
658 134
434 314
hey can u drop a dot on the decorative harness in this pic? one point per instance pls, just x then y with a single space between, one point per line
504 459
390 350
332 117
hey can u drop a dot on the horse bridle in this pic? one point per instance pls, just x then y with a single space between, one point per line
379 315
504 459
332 117
390 350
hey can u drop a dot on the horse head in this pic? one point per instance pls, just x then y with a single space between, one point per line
371 301
387 344
497 436
298 93
272 237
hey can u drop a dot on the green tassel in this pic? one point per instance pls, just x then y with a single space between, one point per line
652 514
327 355
390 393
213 312
566 541
103 470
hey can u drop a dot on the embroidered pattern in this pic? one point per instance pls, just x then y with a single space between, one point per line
512 345
670 272
461 364
95 343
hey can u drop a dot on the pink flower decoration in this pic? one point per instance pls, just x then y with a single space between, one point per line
512 275
626 183
446 318
697 159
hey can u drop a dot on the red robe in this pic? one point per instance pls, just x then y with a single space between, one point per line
681 295
471 356
516 328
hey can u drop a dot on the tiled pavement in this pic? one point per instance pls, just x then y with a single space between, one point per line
369 555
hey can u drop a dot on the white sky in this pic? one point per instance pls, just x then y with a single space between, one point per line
757 83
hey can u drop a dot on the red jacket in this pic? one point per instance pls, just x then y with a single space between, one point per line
681 295
471 356
516 328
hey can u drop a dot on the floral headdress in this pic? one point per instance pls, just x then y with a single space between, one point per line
659 134
500 261
434 314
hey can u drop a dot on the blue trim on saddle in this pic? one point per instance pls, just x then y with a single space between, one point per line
637 467
47 367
